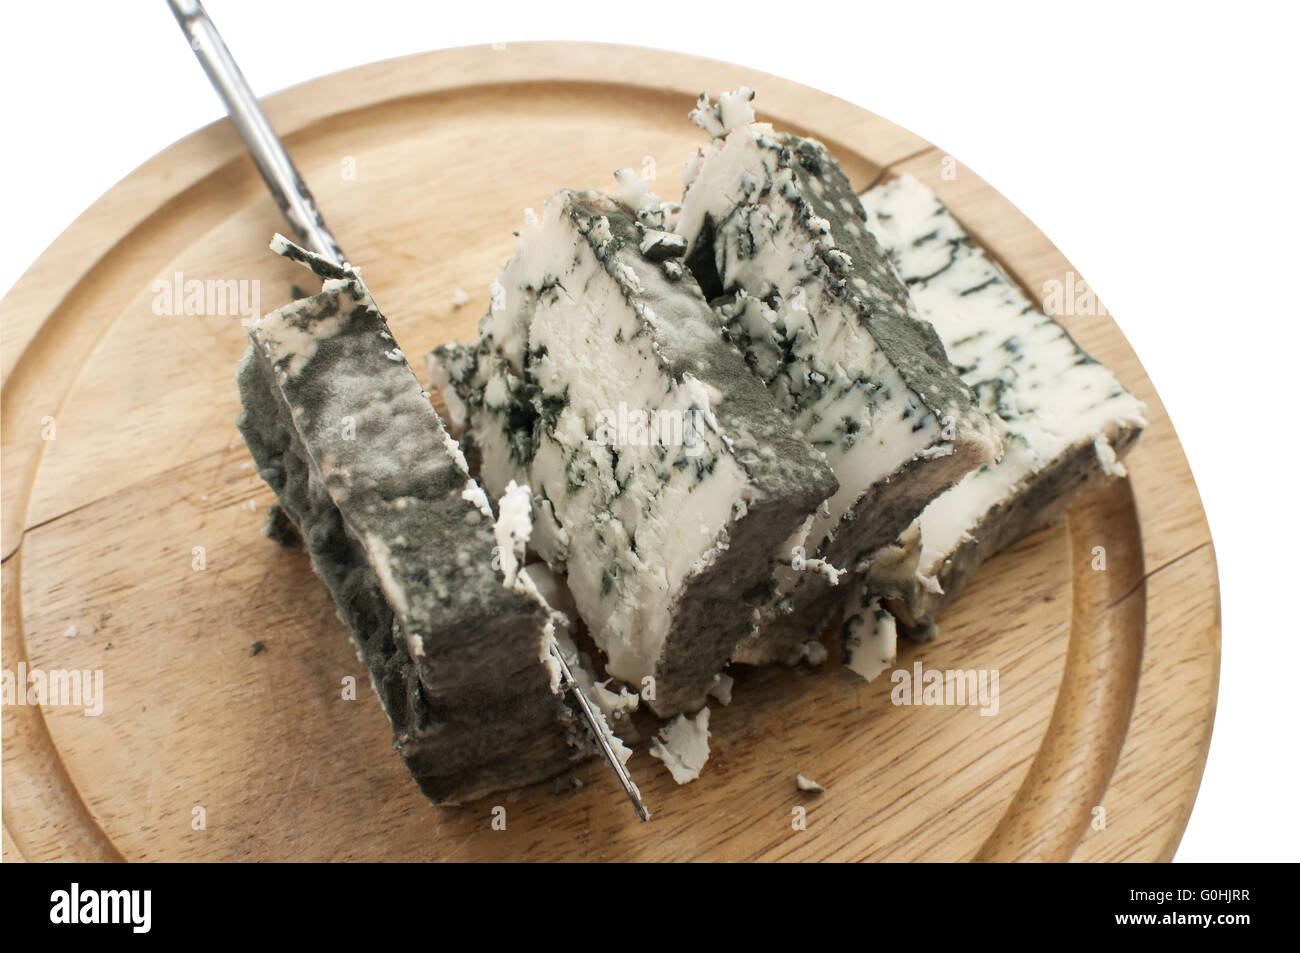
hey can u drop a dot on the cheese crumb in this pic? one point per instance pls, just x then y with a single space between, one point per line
512 529
826 569
683 746
721 689
634 191
732 111
808 784
600 232
871 638
1107 458
473 493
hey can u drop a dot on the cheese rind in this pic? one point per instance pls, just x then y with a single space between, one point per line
1066 418
776 235
341 430
663 474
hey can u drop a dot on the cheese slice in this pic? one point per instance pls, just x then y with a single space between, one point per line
663 474
1066 419
776 235
458 651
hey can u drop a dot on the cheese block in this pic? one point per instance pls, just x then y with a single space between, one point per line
1066 418
776 236
457 649
663 473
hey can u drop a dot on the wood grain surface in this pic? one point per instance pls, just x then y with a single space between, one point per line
423 165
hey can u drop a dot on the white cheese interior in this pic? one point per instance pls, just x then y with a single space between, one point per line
807 784
683 746
632 517
512 529
722 687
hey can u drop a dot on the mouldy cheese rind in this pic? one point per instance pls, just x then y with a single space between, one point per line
777 238
1066 418
403 538
663 474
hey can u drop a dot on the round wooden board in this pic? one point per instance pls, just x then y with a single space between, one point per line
424 165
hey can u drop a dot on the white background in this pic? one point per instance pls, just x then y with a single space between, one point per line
1154 143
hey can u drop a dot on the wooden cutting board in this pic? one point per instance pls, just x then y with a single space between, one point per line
423 165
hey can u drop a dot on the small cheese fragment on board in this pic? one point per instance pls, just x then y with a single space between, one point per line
1066 419
808 785
777 238
722 687
404 540
663 475
683 746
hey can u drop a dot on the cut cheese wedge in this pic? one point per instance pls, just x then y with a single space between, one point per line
664 475
1066 419
776 236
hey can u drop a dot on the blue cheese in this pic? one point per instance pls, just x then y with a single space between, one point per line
776 236
1066 418
663 474
458 651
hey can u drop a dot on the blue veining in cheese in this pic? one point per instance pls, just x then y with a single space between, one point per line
1065 417
870 634
653 527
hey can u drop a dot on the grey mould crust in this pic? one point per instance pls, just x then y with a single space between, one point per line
911 344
